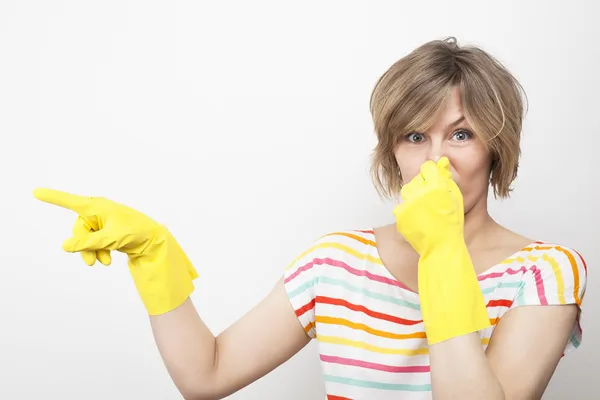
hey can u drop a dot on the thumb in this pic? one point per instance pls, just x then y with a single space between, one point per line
92 241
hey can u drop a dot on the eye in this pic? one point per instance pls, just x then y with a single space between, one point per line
462 135
415 137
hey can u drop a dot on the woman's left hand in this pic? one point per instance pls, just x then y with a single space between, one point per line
432 212
431 219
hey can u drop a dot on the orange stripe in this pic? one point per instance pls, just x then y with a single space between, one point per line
308 327
332 397
368 329
352 236
575 273
374 314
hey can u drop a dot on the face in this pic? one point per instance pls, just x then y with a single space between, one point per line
450 136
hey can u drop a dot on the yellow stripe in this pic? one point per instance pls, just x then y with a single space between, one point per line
376 349
341 247
369 347
512 260
560 283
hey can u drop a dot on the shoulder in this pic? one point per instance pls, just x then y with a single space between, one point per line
343 241
555 271
557 257
336 248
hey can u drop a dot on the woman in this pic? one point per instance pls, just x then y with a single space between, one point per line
431 304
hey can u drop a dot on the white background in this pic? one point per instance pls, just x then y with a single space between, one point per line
245 128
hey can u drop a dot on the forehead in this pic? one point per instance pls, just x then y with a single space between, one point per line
451 110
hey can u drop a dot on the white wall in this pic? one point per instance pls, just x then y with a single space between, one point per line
244 127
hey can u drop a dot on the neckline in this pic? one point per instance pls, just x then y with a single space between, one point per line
489 270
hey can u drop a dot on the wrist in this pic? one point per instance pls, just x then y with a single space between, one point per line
445 246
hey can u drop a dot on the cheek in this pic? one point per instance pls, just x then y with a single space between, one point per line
409 162
471 171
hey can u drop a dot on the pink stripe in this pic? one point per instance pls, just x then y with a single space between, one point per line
379 367
353 271
539 283
366 274
298 271
509 271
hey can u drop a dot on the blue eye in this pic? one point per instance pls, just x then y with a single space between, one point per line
462 135
415 137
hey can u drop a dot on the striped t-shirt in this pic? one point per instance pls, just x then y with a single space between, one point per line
369 327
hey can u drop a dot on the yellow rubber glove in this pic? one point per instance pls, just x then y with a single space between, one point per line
431 219
161 271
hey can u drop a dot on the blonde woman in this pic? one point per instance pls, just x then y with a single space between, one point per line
443 302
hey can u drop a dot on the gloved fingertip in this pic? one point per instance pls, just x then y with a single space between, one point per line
104 257
70 245
444 163
89 257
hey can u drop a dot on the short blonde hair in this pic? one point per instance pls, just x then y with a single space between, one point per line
409 95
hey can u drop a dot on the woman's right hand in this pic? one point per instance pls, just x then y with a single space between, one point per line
161 271
201 366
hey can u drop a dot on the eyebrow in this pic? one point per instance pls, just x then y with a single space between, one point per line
458 121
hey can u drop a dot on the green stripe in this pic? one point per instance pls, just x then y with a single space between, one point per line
373 295
501 285
302 288
347 286
377 296
377 385
574 341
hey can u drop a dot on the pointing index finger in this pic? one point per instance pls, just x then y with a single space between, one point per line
62 199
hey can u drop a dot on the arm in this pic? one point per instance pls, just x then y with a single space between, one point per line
518 363
523 352
527 344
202 366
205 367
460 370
529 339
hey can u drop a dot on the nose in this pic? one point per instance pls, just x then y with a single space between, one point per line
436 149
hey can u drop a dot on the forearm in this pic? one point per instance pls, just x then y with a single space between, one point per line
188 349
454 312
461 370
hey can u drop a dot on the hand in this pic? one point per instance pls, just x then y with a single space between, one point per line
432 211
431 219
101 226
161 271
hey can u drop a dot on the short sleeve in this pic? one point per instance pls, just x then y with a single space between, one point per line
555 275
300 280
